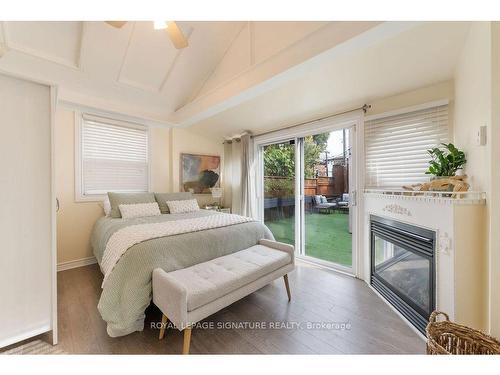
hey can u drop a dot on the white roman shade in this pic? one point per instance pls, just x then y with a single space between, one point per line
114 156
396 146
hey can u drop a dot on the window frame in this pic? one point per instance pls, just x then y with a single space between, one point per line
78 127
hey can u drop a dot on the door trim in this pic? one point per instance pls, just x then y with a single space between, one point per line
354 120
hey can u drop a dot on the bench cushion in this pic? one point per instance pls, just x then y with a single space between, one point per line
205 282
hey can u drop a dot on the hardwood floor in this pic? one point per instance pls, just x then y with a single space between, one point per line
318 296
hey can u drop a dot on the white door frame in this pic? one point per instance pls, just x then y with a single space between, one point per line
354 120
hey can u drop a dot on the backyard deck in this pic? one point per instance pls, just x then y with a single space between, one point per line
327 236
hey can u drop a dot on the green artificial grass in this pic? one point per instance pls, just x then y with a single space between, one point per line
327 236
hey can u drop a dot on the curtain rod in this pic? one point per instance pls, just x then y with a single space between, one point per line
364 107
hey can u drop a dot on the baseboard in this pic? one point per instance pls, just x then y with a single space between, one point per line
76 263
25 335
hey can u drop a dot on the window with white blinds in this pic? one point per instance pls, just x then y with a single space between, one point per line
114 156
396 146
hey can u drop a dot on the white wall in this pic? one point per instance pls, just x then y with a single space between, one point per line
26 228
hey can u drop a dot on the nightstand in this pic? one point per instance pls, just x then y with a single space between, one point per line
223 210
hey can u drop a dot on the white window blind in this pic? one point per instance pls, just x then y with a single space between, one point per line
396 146
114 156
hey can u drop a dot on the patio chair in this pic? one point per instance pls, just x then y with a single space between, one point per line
343 203
309 204
321 205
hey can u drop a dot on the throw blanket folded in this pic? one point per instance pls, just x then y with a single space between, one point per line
127 237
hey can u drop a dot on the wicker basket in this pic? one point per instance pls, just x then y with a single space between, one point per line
445 337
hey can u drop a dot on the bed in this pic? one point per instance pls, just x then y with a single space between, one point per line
127 290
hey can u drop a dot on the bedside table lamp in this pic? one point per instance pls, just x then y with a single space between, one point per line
217 194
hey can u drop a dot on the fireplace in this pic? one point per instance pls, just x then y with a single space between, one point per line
403 267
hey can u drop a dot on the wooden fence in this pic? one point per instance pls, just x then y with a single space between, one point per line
279 199
327 186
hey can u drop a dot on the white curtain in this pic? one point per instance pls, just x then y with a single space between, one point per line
247 177
227 174
239 190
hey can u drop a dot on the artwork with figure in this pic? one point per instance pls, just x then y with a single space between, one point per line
199 173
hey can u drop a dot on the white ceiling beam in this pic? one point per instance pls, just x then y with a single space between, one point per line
116 115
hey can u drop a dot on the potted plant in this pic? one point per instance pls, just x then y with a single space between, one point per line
446 162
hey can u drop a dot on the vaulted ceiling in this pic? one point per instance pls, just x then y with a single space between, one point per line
137 70
135 65
233 76
420 55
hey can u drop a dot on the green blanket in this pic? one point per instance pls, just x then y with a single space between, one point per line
127 292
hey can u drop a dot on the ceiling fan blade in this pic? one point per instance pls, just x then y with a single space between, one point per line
116 24
176 36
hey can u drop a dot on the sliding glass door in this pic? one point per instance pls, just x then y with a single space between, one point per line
279 190
327 213
308 196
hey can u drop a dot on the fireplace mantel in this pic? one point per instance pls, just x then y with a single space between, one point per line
460 227
461 198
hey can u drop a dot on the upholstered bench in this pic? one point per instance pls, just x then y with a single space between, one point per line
189 295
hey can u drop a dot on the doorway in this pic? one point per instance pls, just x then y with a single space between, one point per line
308 195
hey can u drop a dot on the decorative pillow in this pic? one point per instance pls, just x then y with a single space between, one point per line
317 199
128 198
180 207
106 206
323 199
162 199
129 211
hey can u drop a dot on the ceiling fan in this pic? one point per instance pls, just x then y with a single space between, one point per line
174 32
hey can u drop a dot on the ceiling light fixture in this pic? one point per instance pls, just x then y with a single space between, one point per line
160 25
174 32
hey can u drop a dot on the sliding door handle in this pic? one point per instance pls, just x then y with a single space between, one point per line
353 198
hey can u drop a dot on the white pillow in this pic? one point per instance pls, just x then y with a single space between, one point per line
106 206
186 205
129 211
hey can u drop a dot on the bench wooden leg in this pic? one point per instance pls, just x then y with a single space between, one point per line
187 340
287 288
164 320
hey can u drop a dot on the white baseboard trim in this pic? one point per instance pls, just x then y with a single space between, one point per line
76 263
25 335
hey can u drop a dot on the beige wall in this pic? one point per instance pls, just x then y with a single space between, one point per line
473 102
187 141
76 219
477 87
439 91
494 134
473 109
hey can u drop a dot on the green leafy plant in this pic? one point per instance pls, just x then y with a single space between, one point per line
446 162
278 187
279 159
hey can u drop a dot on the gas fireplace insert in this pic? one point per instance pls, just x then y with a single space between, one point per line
403 267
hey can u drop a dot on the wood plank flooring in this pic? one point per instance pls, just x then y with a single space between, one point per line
348 318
